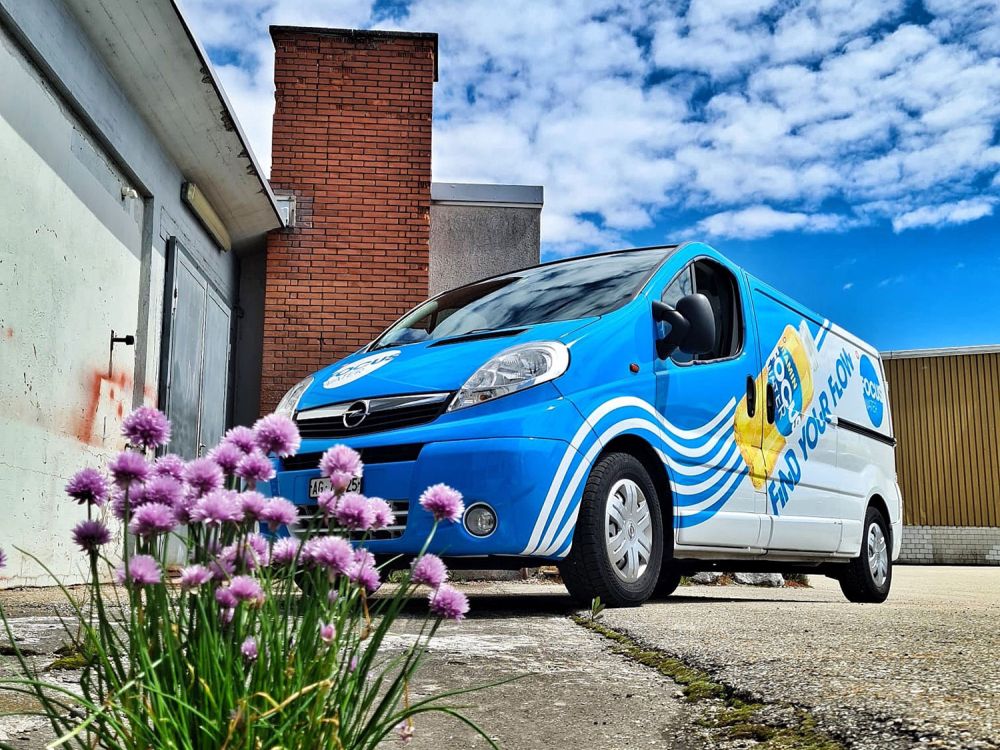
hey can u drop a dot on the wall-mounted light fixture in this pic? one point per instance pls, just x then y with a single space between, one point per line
199 205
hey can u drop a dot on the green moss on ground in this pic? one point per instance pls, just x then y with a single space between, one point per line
736 718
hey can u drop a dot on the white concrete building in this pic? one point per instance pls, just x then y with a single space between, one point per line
108 111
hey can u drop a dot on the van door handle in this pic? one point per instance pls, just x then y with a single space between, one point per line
751 396
770 403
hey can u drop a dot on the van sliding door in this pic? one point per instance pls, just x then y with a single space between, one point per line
799 439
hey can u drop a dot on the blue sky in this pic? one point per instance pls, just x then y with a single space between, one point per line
846 151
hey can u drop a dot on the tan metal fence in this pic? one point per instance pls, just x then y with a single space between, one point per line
946 416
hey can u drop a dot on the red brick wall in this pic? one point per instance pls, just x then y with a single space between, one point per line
352 142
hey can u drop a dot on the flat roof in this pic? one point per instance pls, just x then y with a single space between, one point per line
152 53
951 351
523 196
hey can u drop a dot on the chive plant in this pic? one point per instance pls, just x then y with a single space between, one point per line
230 654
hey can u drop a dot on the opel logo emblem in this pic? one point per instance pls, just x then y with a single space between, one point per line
355 414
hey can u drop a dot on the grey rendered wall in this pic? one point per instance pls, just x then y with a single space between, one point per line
83 256
471 242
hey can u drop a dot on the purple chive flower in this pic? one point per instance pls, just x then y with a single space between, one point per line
249 649
448 602
443 501
242 437
405 731
353 665
382 513
147 427
327 633
255 467
184 505
143 570
129 467
226 598
88 486
252 503
89 535
203 475
163 490
330 552
218 507
226 615
277 434
363 571
278 512
195 576
252 553
227 456
285 551
118 505
246 589
429 570
354 512
221 568
341 460
327 502
169 465
152 519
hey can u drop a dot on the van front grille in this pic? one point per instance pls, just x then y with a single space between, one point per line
380 454
365 416
310 517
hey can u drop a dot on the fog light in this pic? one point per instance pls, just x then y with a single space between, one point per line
480 519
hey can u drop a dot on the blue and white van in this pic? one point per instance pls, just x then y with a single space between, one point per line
630 417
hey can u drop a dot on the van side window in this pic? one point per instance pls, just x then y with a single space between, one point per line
719 285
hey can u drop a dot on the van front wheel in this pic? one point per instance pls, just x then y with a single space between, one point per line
618 542
867 578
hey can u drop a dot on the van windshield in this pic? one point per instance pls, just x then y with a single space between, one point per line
569 290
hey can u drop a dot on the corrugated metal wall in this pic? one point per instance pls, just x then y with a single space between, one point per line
947 421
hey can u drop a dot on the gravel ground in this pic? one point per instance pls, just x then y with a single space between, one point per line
920 670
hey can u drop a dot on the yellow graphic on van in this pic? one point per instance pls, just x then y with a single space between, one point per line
788 369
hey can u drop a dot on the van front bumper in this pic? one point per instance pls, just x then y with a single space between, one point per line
512 475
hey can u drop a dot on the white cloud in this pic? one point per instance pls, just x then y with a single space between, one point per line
756 115
761 221
959 212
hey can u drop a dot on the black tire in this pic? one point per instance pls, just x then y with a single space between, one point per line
667 583
588 570
857 581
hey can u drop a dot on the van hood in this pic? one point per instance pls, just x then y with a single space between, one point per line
425 367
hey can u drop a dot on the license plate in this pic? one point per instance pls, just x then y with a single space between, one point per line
322 484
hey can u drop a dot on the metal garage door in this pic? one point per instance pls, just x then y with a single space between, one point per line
197 341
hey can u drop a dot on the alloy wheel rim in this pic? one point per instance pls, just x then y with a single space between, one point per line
878 555
628 530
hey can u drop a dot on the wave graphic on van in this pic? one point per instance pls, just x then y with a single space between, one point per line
704 467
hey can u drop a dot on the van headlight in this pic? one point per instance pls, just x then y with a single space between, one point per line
513 370
291 399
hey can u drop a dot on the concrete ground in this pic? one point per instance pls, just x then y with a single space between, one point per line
922 669
918 671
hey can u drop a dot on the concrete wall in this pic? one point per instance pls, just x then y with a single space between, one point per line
950 545
76 260
471 242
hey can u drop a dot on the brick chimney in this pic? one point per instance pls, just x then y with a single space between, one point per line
352 143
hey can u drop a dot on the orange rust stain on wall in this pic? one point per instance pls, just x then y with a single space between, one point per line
106 397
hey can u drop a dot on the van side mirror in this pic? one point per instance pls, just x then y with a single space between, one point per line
692 326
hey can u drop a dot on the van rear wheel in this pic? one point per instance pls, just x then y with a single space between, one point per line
868 577
618 541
